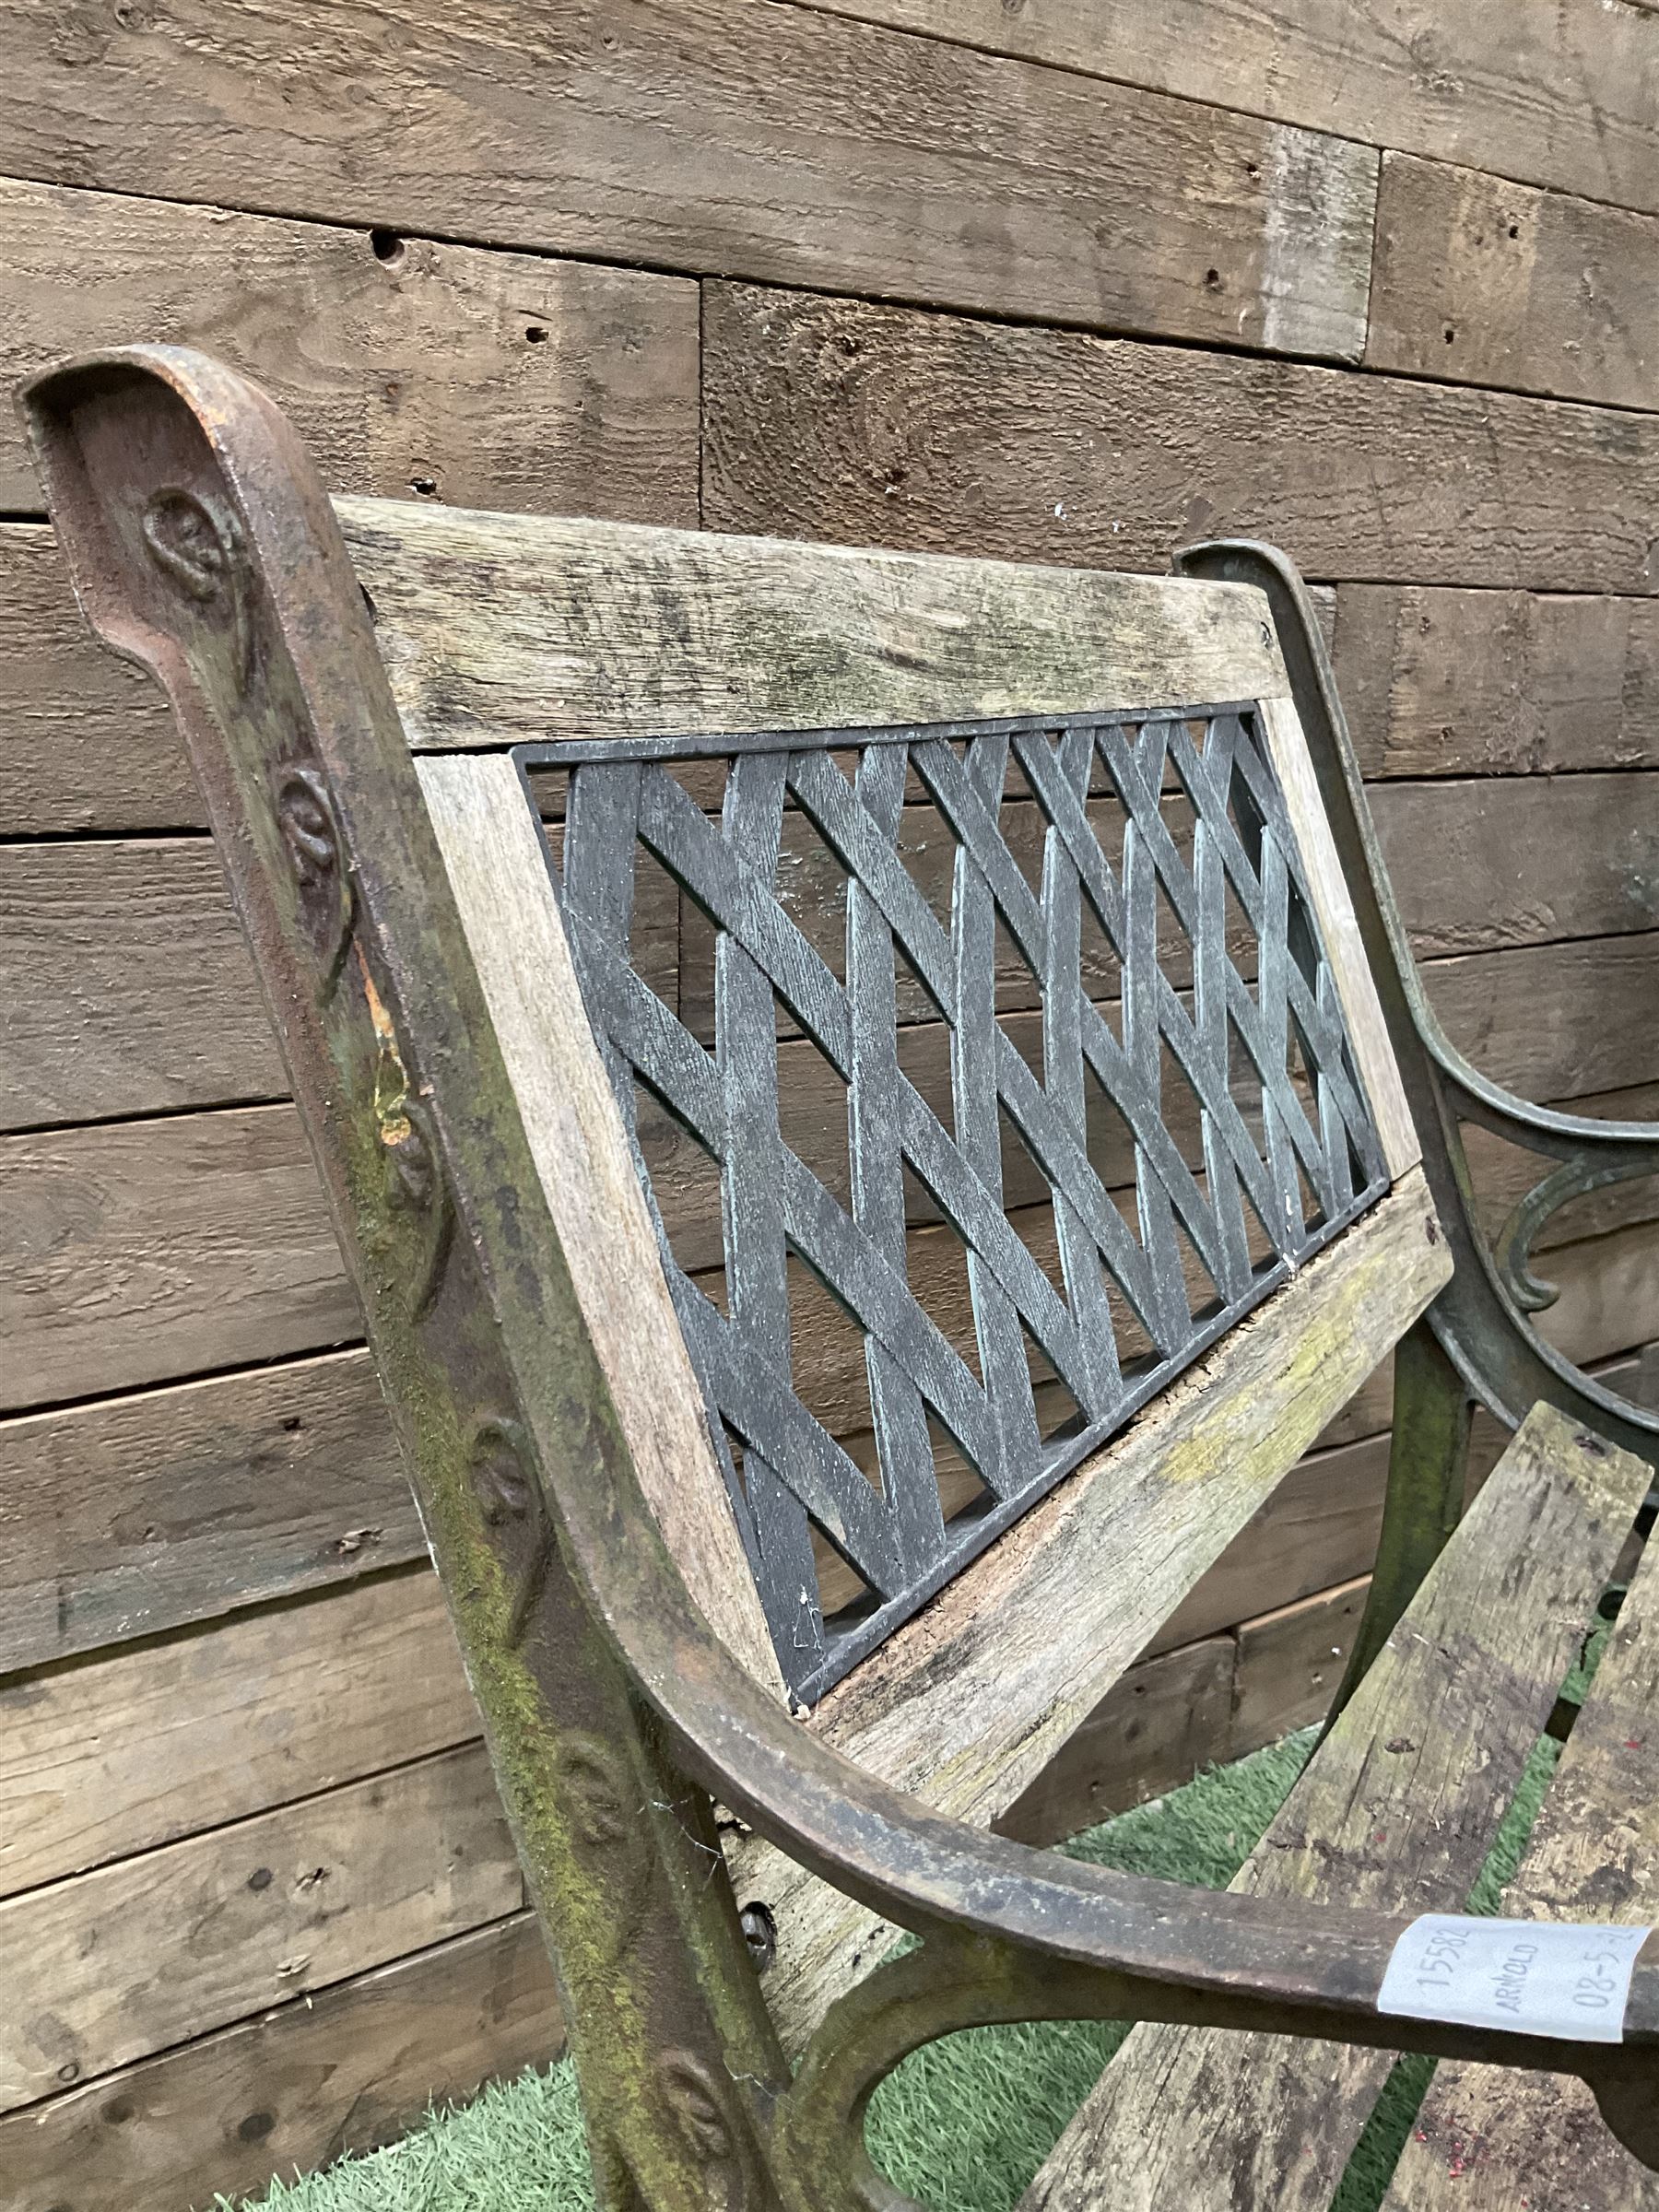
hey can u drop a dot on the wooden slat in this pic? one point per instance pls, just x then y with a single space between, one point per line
139 1252
1503 1173
1291 1661
1444 683
1560 94
499 630
1554 1022
399 372
730 136
1484 281
966 1703
165 1946
1425 1757
1201 1705
1517 860
1152 1731
131 1252
355 2065
835 418
125 987
1317 1530
346 2070
1488 2139
1339 932
87 742
139 1513
138 1749
1435 683
496 858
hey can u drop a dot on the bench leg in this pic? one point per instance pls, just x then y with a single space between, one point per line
1427 1470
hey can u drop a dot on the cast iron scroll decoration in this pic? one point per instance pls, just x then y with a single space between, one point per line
1234 1106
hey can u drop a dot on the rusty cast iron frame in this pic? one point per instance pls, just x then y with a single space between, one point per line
204 547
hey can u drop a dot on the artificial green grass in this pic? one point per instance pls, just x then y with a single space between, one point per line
964 2124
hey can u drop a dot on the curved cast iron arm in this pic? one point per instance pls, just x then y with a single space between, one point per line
1480 1318
202 546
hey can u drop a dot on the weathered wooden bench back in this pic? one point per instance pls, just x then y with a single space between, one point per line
983 1072
855 1092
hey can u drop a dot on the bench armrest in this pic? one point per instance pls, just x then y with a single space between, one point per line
1482 1318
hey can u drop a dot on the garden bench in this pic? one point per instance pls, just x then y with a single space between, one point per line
724 977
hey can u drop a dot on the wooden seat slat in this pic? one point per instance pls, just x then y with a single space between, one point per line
1396 1811
1491 2139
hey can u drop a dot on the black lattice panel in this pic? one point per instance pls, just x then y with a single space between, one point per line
1142 1114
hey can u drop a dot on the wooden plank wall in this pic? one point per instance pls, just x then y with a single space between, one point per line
1066 279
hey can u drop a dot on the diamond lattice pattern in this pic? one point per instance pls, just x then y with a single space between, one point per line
979 1080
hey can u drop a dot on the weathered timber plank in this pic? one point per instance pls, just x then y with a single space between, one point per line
1560 94
729 135
1333 904
1426 1754
497 630
138 1749
346 2070
131 1252
141 1514
1483 281
1447 683
1318 1529
1290 1663
138 1515
1518 860
165 1946
1503 1173
125 986
1554 1022
1489 2138
1171 1716
416 365
87 742
128 1253
136 1252
1609 1295
494 854
1151 1731
969 1701
835 418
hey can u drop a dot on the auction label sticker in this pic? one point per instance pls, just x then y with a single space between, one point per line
1537 1977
